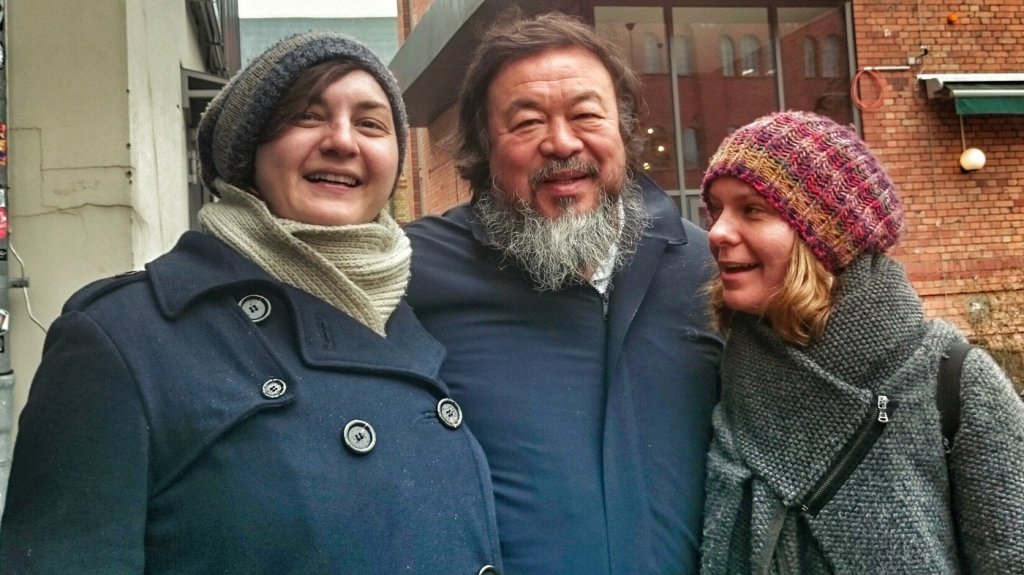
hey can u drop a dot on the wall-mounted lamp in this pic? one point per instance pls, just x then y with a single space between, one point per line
971 159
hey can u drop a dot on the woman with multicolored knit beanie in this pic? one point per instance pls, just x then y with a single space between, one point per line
260 399
828 456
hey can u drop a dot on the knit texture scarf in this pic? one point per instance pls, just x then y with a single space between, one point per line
787 411
875 325
361 269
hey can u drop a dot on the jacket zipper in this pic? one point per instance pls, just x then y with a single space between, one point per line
850 457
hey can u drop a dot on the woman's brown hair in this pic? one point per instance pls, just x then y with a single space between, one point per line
306 88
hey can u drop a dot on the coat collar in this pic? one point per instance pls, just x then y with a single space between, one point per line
876 342
197 265
666 223
630 284
201 264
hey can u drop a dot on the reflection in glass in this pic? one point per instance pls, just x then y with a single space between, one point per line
750 50
652 54
728 51
683 50
691 152
716 95
810 58
827 90
641 33
724 72
830 57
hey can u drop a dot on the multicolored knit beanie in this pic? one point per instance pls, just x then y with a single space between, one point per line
821 177
231 125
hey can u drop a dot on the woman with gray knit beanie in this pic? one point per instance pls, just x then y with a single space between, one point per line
260 399
828 455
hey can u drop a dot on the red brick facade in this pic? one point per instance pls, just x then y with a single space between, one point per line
964 249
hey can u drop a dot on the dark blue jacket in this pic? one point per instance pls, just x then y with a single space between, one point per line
153 443
595 428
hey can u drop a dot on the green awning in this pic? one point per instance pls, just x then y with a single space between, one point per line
977 94
986 98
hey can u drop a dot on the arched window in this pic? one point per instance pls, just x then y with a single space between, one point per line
750 56
683 50
652 54
728 51
690 151
831 56
810 58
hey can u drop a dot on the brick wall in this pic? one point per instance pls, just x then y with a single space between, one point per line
418 8
403 204
964 249
447 189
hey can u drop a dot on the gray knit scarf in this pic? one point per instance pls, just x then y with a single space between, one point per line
363 270
876 324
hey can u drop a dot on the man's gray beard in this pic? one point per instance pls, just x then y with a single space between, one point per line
569 249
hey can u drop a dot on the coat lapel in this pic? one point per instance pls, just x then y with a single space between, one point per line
629 286
330 339
326 337
625 486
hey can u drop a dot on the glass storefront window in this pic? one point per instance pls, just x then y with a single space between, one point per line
641 34
827 91
708 69
728 88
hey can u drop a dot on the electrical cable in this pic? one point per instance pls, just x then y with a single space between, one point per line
24 288
882 91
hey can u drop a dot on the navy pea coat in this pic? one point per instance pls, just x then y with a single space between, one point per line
594 412
152 441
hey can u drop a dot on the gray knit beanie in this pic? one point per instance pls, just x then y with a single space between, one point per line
232 123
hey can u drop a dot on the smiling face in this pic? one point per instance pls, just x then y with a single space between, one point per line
335 163
751 243
554 126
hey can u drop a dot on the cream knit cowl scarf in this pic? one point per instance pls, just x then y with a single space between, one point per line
362 269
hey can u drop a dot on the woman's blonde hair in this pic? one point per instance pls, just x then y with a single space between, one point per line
799 310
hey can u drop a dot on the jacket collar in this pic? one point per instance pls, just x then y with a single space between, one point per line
197 265
666 223
201 264
632 281
875 342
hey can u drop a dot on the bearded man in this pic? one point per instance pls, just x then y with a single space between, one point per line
569 297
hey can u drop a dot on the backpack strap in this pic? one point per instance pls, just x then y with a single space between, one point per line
947 395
